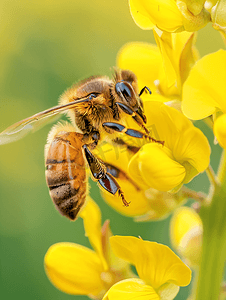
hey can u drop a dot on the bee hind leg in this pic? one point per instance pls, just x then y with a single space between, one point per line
99 172
109 183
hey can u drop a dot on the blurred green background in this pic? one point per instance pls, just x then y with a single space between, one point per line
46 46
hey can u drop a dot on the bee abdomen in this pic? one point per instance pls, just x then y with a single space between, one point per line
65 173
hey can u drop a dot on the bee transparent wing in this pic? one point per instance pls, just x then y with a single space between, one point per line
19 130
22 128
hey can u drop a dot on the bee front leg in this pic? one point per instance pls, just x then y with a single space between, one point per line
138 115
145 88
105 179
129 131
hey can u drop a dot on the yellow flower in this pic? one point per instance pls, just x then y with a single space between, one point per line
163 14
219 130
195 7
162 204
185 153
218 15
186 234
204 91
77 270
194 17
146 204
160 270
163 69
167 15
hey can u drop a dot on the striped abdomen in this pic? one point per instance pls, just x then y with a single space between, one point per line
65 173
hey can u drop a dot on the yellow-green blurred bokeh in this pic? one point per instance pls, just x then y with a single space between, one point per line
46 46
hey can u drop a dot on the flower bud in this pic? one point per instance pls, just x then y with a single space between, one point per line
193 22
195 6
218 14
186 234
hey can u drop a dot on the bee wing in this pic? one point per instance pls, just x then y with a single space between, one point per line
22 128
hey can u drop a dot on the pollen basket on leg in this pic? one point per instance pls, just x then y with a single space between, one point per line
65 173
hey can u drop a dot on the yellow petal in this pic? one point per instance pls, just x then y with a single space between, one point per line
74 269
140 17
157 167
185 153
204 90
144 60
119 156
120 267
168 291
178 55
165 123
164 42
131 289
163 14
187 52
156 264
220 130
194 149
186 142
91 216
139 204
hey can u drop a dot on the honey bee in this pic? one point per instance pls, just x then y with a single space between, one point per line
96 107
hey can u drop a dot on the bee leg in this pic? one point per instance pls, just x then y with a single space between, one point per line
138 115
109 183
99 172
97 168
120 174
91 139
129 131
145 88
121 128
121 142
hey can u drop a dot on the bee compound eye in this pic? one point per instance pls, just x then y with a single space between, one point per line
124 89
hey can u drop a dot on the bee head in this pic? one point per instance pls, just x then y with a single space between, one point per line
127 90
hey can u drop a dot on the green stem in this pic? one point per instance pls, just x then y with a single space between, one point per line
188 193
211 270
209 122
211 175
222 168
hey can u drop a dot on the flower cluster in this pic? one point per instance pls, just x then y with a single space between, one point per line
78 270
178 15
157 173
152 175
